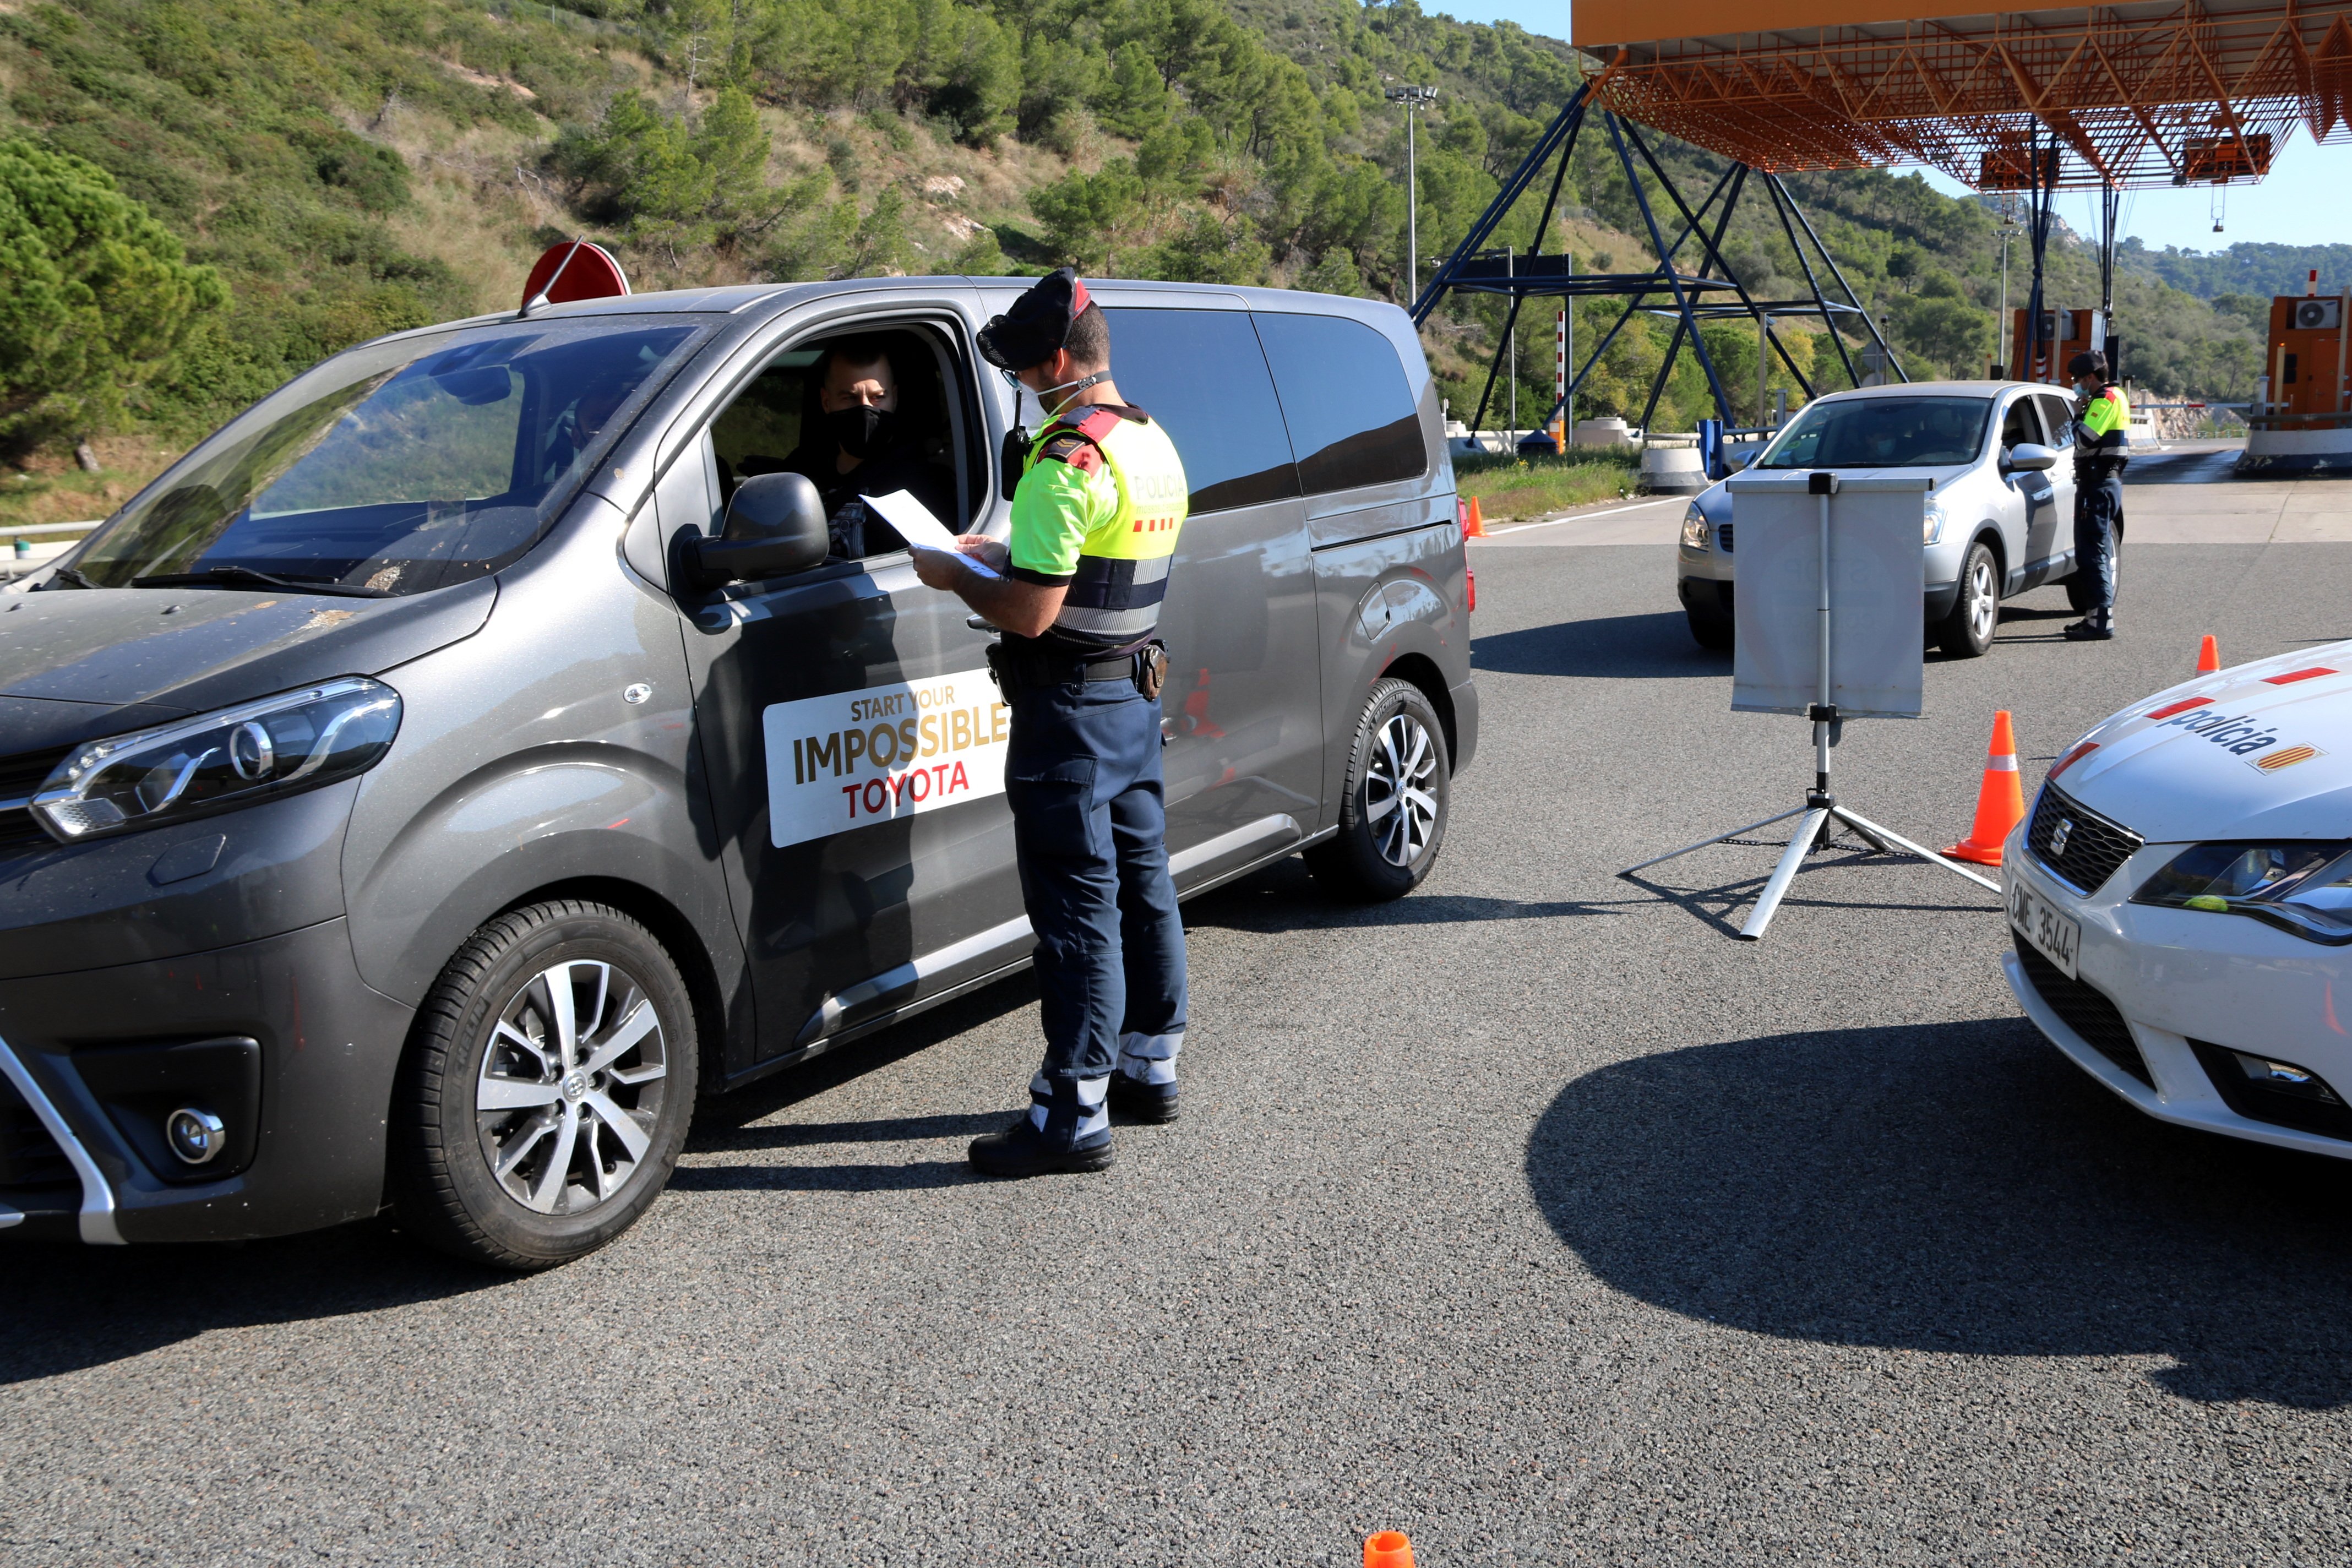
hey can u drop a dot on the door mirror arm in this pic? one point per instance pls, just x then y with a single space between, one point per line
775 526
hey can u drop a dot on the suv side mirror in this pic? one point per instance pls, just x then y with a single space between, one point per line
775 525
2027 455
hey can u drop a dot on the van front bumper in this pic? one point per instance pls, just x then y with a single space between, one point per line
278 1039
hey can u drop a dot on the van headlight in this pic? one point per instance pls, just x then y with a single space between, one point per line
1933 527
295 741
2300 886
1694 529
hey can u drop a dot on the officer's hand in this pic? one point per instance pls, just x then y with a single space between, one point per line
991 553
937 569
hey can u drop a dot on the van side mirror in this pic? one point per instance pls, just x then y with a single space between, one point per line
775 525
2026 455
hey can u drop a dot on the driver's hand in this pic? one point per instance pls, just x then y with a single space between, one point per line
991 553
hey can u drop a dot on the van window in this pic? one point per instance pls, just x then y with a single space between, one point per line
2059 416
1351 415
401 466
1200 374
2019 426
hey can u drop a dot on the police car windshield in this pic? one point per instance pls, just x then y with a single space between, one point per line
1882 433
397 468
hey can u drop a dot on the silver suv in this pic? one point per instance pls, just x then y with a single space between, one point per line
499 737
2000 516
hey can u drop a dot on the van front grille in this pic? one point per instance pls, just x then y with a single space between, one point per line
29 1157
2091 846
21 778
2083 1009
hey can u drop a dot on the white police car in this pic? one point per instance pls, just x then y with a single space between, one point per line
2180 902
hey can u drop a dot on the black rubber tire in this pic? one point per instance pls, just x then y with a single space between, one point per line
1712 633
2078 590
442 1187
1956 634
1350 863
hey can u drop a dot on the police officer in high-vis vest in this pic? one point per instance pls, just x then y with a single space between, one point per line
1096 517
2101 446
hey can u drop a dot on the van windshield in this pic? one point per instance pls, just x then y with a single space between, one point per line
1882 433
397 468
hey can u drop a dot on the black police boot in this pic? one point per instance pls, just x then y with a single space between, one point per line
1153 1103
2099 625
1022 1150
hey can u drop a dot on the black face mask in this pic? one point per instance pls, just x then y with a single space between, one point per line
861 432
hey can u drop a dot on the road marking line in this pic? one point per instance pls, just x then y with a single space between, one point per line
1584 516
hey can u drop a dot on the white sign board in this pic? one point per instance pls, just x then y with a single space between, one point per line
851 759
1877 580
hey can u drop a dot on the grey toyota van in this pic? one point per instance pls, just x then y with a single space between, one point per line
489 742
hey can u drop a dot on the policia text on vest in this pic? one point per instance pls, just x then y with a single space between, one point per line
1096 517
2102 448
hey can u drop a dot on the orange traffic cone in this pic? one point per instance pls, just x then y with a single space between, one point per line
2001 802
1478 528
1388 1549
2209 658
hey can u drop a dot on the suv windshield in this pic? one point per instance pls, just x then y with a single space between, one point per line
1882 433
397 468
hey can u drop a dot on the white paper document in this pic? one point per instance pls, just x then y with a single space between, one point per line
920 529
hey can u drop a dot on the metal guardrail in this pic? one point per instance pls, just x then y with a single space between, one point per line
10 529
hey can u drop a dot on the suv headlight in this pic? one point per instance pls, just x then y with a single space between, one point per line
2304 888
295 741
1694 528
1934 528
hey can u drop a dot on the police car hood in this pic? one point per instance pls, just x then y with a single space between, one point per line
2263 750
81 662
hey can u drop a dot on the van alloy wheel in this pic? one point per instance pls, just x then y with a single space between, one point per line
1984 599
1398 802
547 1086
1967 630
571 1086
1392 812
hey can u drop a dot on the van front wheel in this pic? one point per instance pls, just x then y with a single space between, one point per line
545 1093
1393 818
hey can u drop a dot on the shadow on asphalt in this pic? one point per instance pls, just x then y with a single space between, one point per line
1958 1188
1725 905
1625 647
67 1307
1284 897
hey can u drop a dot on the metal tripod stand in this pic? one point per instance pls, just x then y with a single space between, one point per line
1821 809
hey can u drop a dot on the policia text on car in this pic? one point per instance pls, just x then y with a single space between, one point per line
2101 446
1096 517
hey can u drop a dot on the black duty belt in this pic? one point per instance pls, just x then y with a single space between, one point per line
1017 664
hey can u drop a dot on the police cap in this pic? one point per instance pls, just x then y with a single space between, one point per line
1038 323
2089 362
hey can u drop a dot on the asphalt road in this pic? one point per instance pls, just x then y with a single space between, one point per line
1532 1215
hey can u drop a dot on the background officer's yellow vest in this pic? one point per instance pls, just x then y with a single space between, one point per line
1122 575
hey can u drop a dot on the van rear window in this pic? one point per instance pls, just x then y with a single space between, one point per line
1351 415
1200 374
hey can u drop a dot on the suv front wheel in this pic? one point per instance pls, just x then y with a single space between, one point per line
547 1086
1393 817
1968 631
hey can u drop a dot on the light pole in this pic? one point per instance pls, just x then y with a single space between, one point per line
1413 98
2000 322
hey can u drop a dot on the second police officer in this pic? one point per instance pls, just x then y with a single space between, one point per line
2101 446
1095 516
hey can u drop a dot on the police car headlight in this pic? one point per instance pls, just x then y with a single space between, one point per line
2300 886
295 741
1694 528
1934 528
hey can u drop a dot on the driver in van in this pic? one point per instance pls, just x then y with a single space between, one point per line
861 448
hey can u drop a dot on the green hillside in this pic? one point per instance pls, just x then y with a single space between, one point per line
200 197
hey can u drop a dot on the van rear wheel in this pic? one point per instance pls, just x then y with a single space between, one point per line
1393 817
546 1087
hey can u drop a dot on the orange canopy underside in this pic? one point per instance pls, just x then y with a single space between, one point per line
2162 93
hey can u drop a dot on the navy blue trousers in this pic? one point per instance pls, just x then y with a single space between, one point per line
1089 822
2098 507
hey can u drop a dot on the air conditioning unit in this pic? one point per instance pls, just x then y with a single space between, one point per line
2319 315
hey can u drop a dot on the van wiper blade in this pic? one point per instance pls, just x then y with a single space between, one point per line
246 577
66 576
